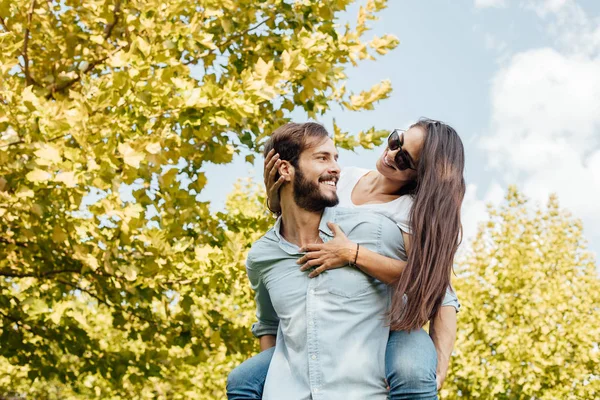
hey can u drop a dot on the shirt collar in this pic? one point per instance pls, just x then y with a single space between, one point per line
277 228
328 215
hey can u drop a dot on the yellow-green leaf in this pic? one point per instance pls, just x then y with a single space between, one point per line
130 156
38 175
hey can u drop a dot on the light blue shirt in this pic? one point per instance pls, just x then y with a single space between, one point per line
331 330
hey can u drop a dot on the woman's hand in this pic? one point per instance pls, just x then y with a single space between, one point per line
440 381
272 163
336 253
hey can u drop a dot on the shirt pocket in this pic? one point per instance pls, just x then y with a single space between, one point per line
348 282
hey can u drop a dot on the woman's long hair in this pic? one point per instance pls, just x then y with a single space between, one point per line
436 228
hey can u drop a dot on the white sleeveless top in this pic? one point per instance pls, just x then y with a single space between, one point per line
397 210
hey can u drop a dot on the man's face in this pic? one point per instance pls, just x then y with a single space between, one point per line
315 179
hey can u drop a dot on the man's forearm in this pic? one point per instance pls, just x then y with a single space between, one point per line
442 330
266 342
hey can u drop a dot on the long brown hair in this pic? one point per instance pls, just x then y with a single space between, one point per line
436 229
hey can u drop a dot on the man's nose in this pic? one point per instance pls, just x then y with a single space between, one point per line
335 168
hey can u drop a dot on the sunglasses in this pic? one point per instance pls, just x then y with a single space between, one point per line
403 160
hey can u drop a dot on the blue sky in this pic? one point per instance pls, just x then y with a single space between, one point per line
518 79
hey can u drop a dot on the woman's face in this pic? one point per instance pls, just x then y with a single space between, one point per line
413 144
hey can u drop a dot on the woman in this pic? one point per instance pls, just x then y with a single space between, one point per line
418 183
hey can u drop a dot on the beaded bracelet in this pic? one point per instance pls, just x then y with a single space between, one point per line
356 255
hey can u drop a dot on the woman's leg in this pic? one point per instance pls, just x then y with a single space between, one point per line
410 364
247 380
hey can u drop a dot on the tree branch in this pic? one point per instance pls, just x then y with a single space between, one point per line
13 143
3 240
109 28
105 302
65 85
71 266
46 274
231 39
13 319
20 141
20 324
95 296
28 78
3 23
245 32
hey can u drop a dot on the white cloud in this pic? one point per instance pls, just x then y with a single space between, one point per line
493 43
574 30
545 7
474 209
541 7
545 128
473 212
548 102
490 3
497 46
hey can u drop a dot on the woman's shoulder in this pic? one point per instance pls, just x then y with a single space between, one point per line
349 175
406 201
401 212
349 172
401 206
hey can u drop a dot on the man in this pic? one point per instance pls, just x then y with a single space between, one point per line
329 331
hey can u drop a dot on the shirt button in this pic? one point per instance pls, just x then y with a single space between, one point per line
316 390
311 323
312 291
313 357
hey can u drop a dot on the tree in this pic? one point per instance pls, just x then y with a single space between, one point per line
530 323
221 305
101 296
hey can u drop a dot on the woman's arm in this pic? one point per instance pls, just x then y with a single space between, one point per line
271 164
340 251
384 268
442 329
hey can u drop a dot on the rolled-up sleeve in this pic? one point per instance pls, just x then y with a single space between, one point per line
450 299
391 243
267 320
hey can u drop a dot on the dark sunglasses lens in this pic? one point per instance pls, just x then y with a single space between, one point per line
401 161
394 141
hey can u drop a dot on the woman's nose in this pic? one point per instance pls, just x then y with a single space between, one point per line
392 153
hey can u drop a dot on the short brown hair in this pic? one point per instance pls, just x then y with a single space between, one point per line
291 139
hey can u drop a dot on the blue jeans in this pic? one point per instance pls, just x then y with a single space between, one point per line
410 364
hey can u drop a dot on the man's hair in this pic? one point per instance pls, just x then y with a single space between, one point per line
291 139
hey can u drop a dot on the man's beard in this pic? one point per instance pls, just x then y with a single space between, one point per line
307 194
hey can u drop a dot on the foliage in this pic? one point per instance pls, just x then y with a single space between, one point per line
219 306
108 297
530 323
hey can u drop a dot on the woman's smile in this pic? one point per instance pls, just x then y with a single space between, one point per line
385 161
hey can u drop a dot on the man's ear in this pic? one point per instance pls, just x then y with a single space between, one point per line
286 170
